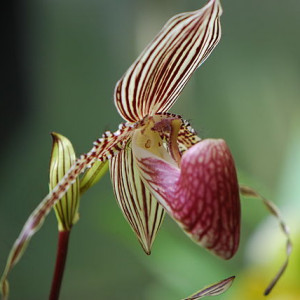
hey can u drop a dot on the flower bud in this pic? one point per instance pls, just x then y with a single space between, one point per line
62 158
93 175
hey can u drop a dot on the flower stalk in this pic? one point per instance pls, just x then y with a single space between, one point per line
66 210
61 257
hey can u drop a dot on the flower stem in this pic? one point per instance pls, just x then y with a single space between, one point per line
61 256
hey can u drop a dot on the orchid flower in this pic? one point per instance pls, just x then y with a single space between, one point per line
159 168
157 162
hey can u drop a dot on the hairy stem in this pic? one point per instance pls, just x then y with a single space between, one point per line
61 256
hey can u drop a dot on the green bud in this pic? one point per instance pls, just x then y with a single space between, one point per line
62 158
93 175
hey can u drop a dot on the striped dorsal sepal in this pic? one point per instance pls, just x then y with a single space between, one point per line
155 80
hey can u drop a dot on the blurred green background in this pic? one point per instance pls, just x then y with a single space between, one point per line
70 55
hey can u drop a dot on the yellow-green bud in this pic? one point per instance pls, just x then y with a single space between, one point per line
93 175
62 158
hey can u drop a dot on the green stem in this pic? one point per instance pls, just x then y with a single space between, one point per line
61 256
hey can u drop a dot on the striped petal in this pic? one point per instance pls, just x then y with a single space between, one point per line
141 210
104 148
213 289
202 195
154 81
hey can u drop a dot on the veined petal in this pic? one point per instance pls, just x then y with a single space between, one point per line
141 210
202 196
154 81
213 289
104 148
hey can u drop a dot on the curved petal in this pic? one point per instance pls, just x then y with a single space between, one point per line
104 148
215 289
141 210
154 81
202 196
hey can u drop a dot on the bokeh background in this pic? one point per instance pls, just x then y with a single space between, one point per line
61 62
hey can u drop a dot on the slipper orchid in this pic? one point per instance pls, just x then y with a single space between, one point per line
157 162
143 96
